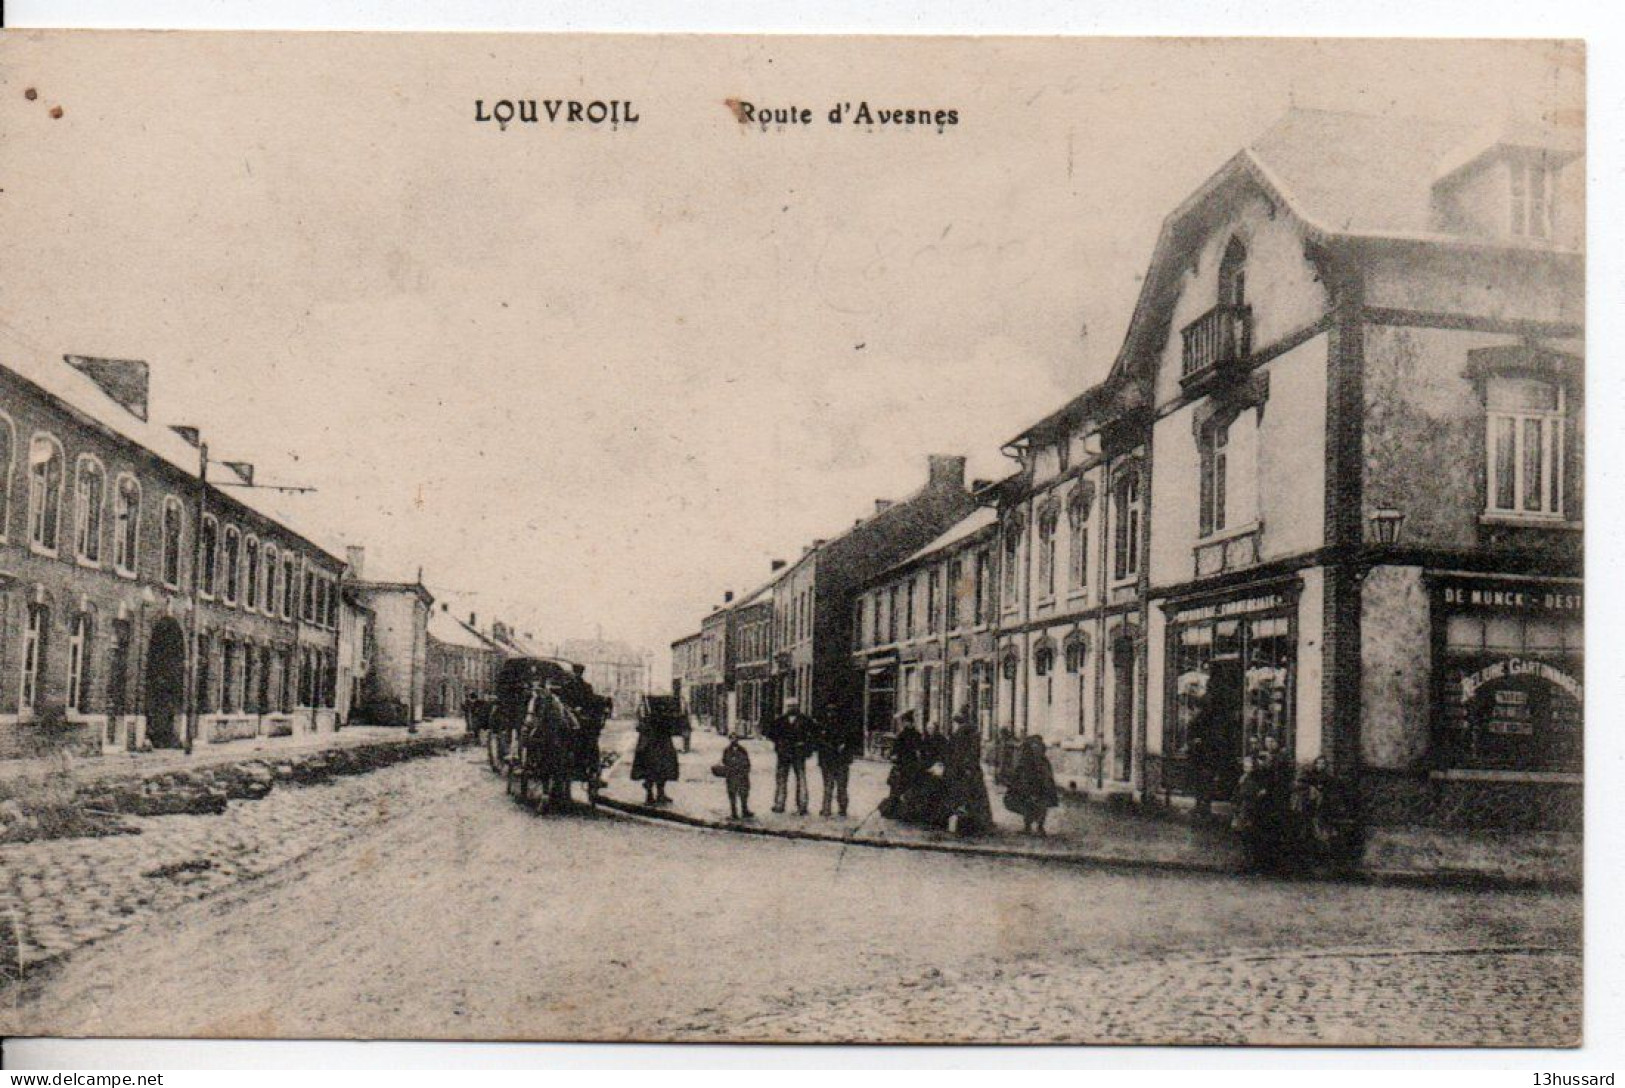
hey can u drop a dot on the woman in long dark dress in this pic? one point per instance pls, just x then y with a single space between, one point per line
963 784
654 761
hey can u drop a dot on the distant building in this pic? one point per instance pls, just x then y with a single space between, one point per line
354 654
685 669
460 663
813 601
612 668
393 693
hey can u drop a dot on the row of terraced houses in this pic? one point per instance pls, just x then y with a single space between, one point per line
153 597
1330 492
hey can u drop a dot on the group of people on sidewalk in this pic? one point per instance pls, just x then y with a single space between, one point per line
797 737
956 799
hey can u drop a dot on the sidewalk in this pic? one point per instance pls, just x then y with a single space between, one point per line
166 760
1080 832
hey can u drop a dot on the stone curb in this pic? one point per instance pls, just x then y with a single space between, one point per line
1442 878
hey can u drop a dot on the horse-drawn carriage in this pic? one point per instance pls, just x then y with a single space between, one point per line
544 729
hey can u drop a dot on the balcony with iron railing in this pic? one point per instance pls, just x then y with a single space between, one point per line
1215 342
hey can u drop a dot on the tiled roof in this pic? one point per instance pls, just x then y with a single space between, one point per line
967 527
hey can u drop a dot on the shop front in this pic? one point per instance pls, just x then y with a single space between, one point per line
1509 686
1230 676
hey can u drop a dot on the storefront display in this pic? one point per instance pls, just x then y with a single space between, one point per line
1510 681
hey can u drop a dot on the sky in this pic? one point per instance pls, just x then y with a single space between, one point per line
589 379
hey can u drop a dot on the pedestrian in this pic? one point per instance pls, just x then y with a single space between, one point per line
838 741
654 761
1262 814
963 784
1032 790
735 768
791 733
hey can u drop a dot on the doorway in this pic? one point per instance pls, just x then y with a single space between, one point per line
165 683
1123 708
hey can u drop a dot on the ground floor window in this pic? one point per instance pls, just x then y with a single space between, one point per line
1232 671
34 639
1510 675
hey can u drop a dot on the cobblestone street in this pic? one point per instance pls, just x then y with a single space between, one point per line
419 902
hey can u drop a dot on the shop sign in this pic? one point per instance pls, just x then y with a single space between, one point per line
1503 596
1519 667
1263 602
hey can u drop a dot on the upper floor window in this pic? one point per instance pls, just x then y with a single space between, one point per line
126 523
1063 454
209 544
1012 552
1047 522
272 566
174 519
857 622
1525 445
90 491
891 615
1214 454
931 620
1126 530
290 586
956 575
8 452
251 572
1233 274
984 586
1533 188
45 474
232 568
1077 516
908 627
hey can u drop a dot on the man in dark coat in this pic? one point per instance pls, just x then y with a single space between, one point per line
792 734
963 784
838 743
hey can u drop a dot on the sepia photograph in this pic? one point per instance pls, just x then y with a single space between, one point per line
678 538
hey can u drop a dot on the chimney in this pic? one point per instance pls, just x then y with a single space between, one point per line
946 471
778 565
474 619
124 380
192 435
728 596
355 557
882 505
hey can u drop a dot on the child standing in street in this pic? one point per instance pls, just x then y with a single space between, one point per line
736 773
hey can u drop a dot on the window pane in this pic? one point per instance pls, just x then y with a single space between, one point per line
1534 452
1464 632
1523 394
1504 466
1543 634
1503 633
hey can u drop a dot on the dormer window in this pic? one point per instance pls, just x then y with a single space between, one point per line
1533 189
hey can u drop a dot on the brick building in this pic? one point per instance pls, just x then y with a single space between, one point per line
458 662
814 599
116 559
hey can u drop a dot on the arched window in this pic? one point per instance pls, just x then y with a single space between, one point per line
90 489
209 543
1048 518
1012 553
36 635
44 492
8 455
79 642
1044 660
1233 274
1126 530
272 567
174 539
1214 455
232 569
1077 650
126 523
251 573
1077 516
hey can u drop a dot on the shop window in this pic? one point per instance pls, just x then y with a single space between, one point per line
126 524
45 474
174 519
90 494
1525 441
1511 691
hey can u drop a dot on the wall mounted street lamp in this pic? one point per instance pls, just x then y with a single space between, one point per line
1386 524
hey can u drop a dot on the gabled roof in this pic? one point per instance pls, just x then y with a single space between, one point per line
80 394
981 518
450 631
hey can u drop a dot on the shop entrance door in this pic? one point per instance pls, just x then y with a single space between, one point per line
1123 709
1225 745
